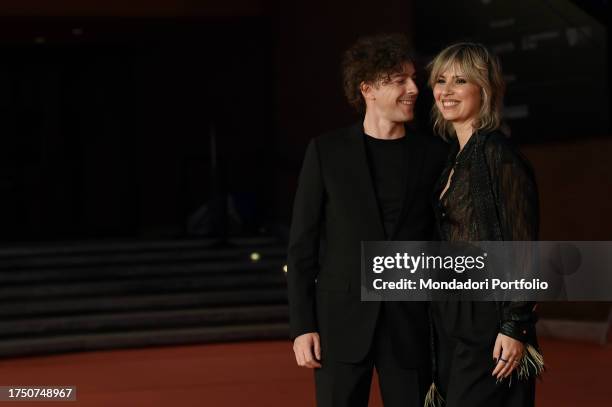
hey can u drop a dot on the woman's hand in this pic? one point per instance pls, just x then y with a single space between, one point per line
507 354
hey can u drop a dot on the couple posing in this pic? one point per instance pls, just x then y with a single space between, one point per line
381 180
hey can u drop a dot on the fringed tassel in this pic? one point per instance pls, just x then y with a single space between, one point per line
433 397
532 363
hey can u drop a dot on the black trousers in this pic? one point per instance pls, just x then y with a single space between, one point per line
465 337
340 384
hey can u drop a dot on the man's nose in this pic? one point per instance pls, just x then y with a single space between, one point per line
411 87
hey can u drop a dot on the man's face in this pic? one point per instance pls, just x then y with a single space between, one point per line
393 99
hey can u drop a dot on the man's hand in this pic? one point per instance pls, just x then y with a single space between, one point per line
507 354
303 347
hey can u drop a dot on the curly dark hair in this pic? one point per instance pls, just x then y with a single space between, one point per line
372 59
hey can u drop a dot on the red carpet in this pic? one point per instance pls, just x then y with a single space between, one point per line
260 374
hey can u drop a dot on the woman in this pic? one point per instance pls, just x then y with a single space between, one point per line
485 351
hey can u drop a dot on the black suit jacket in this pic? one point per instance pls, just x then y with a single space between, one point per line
335 209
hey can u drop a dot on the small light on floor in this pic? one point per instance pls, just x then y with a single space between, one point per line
255 257
285 268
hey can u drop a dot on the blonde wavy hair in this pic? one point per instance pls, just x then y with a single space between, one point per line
480 67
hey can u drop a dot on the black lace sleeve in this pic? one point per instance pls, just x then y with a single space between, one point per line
516 196
514 188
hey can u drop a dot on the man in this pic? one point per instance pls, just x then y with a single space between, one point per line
372 181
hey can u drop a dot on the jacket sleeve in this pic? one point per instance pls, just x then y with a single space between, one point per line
304 241
516 195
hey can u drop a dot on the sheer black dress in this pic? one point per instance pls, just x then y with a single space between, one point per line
492 195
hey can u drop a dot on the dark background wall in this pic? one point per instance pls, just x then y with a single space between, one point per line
106 108
106 123
554 56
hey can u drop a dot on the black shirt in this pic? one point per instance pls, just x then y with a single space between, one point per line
456 210
387 165
513 192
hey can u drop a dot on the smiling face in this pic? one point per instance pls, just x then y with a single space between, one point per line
393 98
458 99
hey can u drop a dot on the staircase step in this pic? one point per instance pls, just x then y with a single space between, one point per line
67 306
120 258
151 285
71 248
136 271
129 321
138 339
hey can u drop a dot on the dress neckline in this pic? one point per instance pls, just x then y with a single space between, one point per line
466 152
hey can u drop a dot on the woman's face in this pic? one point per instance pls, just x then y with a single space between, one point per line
456 98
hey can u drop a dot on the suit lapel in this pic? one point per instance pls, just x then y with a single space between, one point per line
367 194
416 150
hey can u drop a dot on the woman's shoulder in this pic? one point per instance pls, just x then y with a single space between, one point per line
500 147
501 150
495 139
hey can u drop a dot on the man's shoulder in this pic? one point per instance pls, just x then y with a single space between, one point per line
433 142
341 133
338 137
